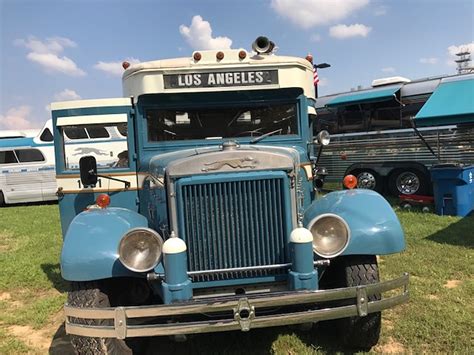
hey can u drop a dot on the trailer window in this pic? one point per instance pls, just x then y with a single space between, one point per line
46 136
29 155
8 157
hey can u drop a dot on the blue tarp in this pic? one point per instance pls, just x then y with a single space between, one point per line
356 97
451 103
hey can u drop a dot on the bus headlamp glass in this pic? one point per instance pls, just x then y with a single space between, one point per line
323 138
331 235
140 249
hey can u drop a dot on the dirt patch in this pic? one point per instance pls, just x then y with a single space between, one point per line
36 339
432 297
391 347
452 283
5 296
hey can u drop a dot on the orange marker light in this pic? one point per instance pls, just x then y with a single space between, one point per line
350 181
103 200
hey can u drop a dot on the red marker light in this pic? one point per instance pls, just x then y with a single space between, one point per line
103 200
125 65
350 181
309 58
197 56
220 55
242 54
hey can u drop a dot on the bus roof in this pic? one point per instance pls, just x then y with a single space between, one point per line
151 77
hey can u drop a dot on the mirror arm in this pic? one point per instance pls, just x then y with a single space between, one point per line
127 183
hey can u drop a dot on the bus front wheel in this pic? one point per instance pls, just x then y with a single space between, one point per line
368 179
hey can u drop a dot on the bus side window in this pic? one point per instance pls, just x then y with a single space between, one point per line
8 157
46 136
384 118
75 132
352 119
29 155
97 132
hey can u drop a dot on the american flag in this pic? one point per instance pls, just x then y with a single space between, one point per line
315 76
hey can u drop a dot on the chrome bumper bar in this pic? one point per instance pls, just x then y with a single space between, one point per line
243 309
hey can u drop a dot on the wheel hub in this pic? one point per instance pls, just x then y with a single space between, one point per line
366 180
408 183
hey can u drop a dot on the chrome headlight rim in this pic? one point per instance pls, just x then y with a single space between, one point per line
154 234
325 215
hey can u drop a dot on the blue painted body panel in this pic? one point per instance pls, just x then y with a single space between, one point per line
375 229
91 243
21 142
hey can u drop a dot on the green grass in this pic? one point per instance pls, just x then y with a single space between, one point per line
438 318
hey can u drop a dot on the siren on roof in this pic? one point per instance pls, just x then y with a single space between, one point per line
389 81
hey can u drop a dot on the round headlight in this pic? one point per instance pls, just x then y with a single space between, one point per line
140 249
331 235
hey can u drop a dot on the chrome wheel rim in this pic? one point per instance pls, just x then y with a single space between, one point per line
366 180
408 183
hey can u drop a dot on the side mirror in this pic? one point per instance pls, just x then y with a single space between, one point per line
323 138
88 169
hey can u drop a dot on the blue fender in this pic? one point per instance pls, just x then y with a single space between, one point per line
373 224
90 249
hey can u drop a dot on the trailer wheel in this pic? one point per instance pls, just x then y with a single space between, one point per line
99 294
368 179
2 199
407 182
358 333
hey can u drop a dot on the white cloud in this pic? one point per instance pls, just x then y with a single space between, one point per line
345 31
452 50
65 95
310 13
430 60
114 68
17 118
199 35
388 70
380 11
47 54
315 37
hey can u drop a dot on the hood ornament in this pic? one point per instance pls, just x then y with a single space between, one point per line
239 163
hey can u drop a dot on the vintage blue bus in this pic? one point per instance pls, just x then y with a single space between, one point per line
214 223
373 137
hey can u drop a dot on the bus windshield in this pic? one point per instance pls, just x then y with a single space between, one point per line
219 123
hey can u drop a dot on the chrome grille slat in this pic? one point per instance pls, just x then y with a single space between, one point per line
234 224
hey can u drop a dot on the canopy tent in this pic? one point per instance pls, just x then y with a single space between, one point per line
451 103
357 97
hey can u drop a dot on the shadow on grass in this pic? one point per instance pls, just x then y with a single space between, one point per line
61 343
258 341
53 272
24 204
459 233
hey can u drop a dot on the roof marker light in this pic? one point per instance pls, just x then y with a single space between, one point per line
103 200
125 65
220 55
242 54
197 56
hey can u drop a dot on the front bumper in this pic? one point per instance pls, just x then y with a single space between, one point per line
243 309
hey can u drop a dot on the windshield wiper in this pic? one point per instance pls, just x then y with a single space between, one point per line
258 139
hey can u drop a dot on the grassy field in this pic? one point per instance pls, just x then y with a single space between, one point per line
438 319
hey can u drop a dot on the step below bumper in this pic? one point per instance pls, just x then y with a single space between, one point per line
125 321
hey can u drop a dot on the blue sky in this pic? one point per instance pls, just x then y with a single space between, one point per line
72 49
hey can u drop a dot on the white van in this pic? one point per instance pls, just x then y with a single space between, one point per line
27 164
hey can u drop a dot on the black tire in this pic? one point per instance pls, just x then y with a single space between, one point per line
373 179
2 199
357 333
99 294
420 185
